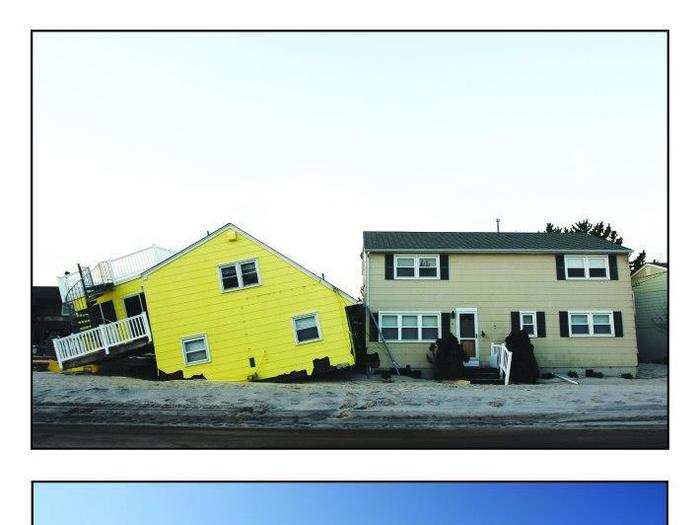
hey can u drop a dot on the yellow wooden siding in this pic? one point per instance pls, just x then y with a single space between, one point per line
119 293
184 299
497 284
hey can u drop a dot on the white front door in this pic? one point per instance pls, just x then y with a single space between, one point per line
467 321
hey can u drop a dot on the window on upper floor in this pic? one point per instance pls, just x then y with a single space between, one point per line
410 326
416 267
240 274
587 267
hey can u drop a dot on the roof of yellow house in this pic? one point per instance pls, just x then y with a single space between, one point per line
230 226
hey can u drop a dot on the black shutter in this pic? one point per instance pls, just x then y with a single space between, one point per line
612 260
617 319
445 320
541 326
108 312
564 324
373 333
388 266
515 321
444 267
561 272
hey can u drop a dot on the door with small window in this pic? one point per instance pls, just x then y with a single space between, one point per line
467 333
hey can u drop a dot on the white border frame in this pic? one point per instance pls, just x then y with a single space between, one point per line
420 315
237 265
534 319
318 327
586 267
194 337
416 266
590 314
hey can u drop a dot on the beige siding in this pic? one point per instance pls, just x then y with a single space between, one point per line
497 284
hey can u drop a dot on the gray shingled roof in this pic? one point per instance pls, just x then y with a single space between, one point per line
487 242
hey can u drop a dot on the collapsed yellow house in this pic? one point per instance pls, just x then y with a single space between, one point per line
228 307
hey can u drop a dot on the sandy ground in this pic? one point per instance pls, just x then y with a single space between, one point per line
356 402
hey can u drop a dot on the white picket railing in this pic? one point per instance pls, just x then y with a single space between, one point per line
102 338
118 270
501 358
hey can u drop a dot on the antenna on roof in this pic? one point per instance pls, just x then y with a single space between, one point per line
498 225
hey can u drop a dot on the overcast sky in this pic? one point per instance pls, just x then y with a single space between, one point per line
305 139
350 503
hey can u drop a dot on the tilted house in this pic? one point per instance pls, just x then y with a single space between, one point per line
571 292
227 307
650 286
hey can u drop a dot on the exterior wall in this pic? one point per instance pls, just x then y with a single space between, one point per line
119 293
651 305
497 284
184 299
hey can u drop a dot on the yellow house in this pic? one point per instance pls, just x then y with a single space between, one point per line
228 307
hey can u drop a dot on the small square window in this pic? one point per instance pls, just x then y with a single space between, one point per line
528 323
195 350
575 267
579 324
306 328
602 324
597 267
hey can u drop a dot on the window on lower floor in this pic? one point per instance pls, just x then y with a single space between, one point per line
591 324
528 322
306 328
195 350
409 326
236 275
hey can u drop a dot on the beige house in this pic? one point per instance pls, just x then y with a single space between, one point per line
571 292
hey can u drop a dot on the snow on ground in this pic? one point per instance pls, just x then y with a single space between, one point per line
355 402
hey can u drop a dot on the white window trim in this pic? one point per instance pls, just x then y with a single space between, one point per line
590 314
416 263
420 326
586 268
534 321
206 347
239 275
318 327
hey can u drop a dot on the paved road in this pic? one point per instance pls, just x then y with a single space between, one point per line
123 436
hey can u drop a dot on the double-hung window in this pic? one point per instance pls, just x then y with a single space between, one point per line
195 350
591 324
587 267
528 322
239 274
416 266
409 326
306 328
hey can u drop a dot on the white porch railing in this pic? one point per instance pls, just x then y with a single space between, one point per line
118 270
501 358
103 337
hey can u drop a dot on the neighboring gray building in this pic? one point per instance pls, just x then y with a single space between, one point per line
650 287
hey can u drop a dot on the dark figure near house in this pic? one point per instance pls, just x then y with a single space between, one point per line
447 357
523 368
47 319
